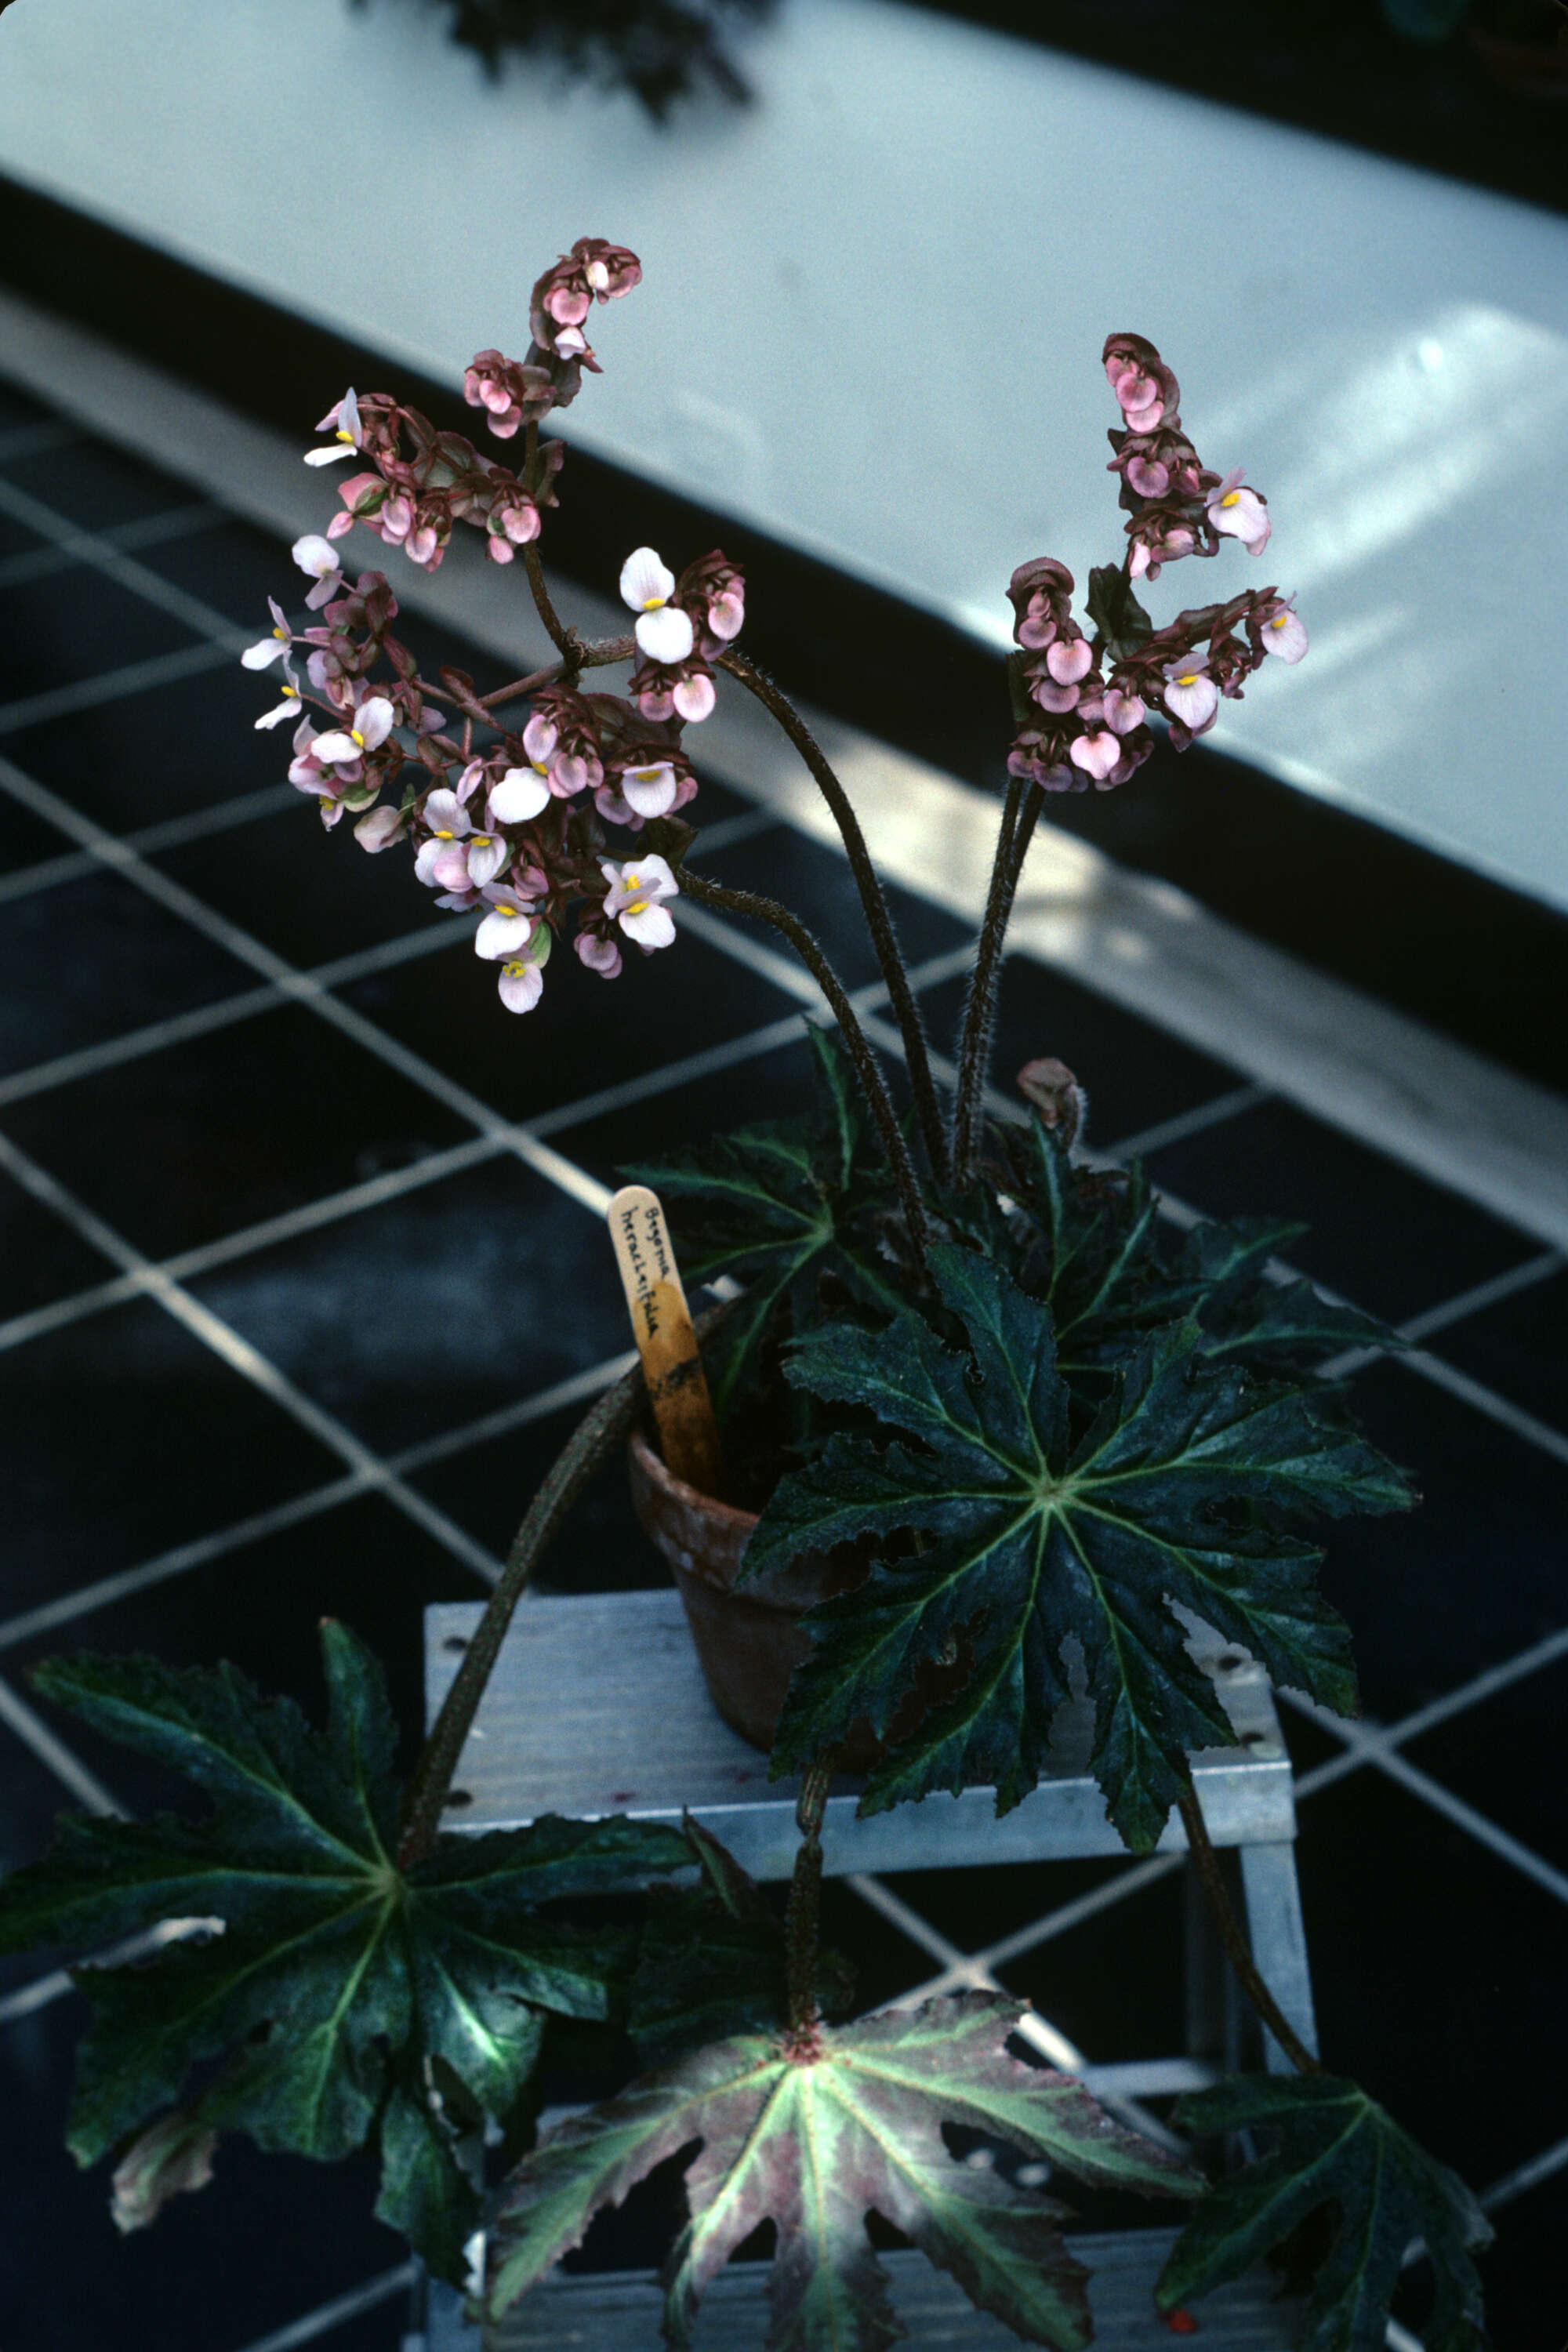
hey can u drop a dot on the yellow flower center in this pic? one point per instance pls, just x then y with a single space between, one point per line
637 907
481 840
344 434
282 634
502 909
653 604
539 768
290 690
327 801
1230 499
514 971
1280 620
445 837
356 737
1191 679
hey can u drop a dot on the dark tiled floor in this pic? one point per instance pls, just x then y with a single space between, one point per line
449 1302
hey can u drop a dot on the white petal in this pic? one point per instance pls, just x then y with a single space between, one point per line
263 653
287 708
485 859
520 793
643 576
335 747
665 636
373 721
654 876
315 555
502 935
654 928
649 791
330 456
520 990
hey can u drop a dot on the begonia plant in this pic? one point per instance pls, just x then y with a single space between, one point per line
948 1338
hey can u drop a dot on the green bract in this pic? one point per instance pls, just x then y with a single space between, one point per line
813 2137
1183 1489
340 1994
1336 2148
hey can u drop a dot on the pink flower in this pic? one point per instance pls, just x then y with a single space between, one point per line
1096 754
441 862
520 984
378 829
1240 513
1039 593
1280 632
1190 694
318 556
1123 711
601 956
509 393
520 979
636 900
663 631
364 496
349 436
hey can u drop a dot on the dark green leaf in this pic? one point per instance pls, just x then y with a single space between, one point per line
1335 2148
1116 612
780 1206
816 2136
338 1984
1182 1491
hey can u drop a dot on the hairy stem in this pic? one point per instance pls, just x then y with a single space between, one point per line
1237 1951
567 643
806 1900
979 1011
872 1084
879 920
600 1431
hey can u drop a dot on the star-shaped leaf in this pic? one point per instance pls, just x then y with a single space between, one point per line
339 1987
1333 2148
1183 1489
815 2134
779 1206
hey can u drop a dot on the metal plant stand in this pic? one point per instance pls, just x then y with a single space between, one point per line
597 1706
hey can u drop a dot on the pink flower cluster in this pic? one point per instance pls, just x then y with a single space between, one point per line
1094 697
1177 505
505 825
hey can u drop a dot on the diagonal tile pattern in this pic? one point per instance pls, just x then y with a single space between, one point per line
301 1286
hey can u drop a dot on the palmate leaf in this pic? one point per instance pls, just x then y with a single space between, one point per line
778 1206
816 2135
1089 1244
1182 1490
339 1983
1335 2148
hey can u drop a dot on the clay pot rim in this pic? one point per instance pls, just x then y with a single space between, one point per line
654 1466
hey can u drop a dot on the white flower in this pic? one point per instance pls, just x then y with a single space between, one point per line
520 793
663 631
289 707
350 432
1190 694
1240 513
650 792
510 928
1284 633
269 649
520 984
319 557
634 899
372 724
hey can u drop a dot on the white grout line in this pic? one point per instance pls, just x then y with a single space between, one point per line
1177 1128
153 530
86 1600
173 833
341 2310
246 1360
68 1768
1482 1687
1511 1417
98 550
64 1069
970 1970
1524 2178
110 686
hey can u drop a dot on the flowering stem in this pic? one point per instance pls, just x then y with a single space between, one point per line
601 1430
567 643
804 1902
769 910
878 917
1235 1945
979 1011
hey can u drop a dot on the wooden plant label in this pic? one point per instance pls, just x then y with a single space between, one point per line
661 1325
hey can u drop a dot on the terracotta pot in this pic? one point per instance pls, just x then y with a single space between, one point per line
749 1641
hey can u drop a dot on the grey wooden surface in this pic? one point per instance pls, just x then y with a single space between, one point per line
620 2311
597 1706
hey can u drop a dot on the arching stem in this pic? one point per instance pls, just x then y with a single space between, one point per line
872 1084
1237 1951
806 1903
